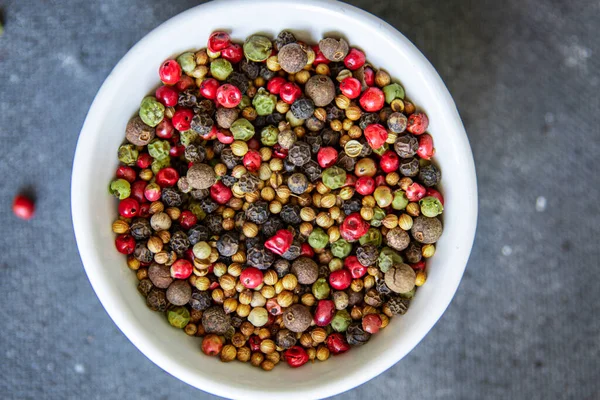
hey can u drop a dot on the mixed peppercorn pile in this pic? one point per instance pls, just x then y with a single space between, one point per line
277 199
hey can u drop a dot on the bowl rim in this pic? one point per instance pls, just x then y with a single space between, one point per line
93 265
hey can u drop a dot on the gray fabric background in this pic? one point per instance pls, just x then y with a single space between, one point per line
524 323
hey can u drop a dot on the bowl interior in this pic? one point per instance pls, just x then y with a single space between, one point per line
94 210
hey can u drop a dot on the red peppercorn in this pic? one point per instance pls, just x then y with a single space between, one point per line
177 150
212 344
418 266
355 59
357 270
296 356
189 255
137 190
434 193
164 129
167 177
371 323
175 138
376 135
129 207
187 219
253 144
167 95
208 88
182 119
353 227
125 244
280 242
425 149
23 207
254 341
229 96
340 279
181 269
144 210
213 285
290 92
279 152
144 160
169 72
350 180
152 192
417 123
319 57
251 277
350 87
372 99
212 134
220 193
234 53
252 160
184 83
306 250
415 192
273 307
127 173
337 344
327 156
380 181
218 41
365 185
324 312
274 85
369 76
225 136
389 162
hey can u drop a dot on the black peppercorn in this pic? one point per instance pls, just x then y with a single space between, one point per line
355 335
179 242
367 254
271 226
303 108
398 305
406 146
285 339
214 222
171 197
187 98
430 175
145 286
140 229
259 257
200 300
284 37
312 170
214 320
282 267
195 153
413 253
258 212
202 123
157 300
409 167
293 252
354 298
228 244
142 253
238 80
198 233
291 214
248 183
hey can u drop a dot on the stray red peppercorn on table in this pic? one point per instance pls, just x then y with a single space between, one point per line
277 198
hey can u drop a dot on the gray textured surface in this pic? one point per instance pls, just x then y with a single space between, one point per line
524 323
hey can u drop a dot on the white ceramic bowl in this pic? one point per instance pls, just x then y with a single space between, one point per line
94 210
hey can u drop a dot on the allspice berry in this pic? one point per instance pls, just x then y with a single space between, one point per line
320 89
333 49
397 239
426 230
226 116
201 176
160 275
138 133
292 58
298 318
306 270
214 320
179 293
400 278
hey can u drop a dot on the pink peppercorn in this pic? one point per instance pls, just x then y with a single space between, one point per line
169 72
327 156
208 88
24 208
376 135
181 269
425 149
182 119
127 173
152 192
212 344
234 53
129 207
417 123
220 193
340 279
165 129
252 160
251 277
229 96
187 219
274 85
296 356
355 59
415 192
372 99
167 177
125 244
337 344
324 312
137 190
371 323
167 95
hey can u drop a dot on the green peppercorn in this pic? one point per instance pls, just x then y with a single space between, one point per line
246 101
128 154
320 289
242 129
120 188
196 208
341 248
159 149
220 69
157 164
257 48
341 320
393 91
318 239
264 102
291 118
336 264
268 135
373 236
378 216
431 206
187 62
388 258
202 250
152 111
188 137
178 317
400 200
334 177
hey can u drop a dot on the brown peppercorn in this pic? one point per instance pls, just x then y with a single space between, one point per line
201 176
285 298
400 278
246 328
397 239
306 270
292 58
160 275
267 365
382 78
230 305
191 329
228 353
179 293
308 299
297 318
133 263
320 89
138 133
333 49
